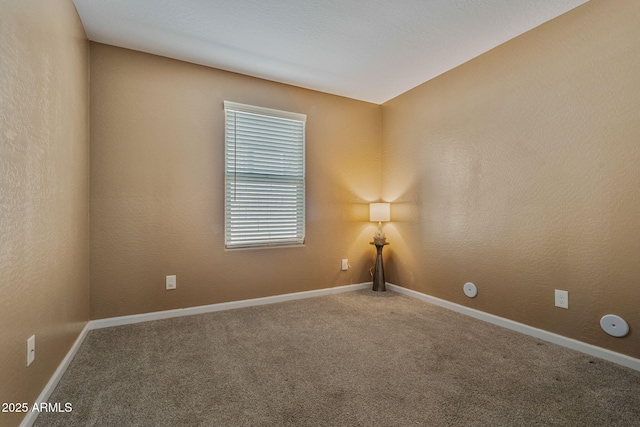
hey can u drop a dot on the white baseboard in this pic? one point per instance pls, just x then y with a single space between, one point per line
31 416
592 350
189 311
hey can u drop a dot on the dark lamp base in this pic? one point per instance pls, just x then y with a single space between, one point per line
378 274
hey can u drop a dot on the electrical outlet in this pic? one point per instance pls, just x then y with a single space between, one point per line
562 299
31 349
345 264
171 282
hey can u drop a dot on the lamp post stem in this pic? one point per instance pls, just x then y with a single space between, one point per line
378 274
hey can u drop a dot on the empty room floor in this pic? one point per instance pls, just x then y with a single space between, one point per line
355 359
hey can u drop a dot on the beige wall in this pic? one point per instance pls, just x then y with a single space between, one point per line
520 171
157 182
44 265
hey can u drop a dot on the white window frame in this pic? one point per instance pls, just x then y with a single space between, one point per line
264 177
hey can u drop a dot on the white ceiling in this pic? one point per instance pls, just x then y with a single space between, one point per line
372 50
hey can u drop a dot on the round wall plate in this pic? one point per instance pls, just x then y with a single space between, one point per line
614 325
470 290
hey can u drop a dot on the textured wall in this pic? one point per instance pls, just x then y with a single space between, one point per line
157 187
519 171
44 259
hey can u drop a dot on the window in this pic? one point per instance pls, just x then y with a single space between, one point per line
264 176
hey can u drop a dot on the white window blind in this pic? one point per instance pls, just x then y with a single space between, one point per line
264 175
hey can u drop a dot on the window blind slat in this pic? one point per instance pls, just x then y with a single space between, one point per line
265 174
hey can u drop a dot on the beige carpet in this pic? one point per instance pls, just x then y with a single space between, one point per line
354 359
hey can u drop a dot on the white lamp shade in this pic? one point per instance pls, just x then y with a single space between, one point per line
379 212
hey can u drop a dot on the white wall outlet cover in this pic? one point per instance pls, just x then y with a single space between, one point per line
470 290
171 282
614 325
345 264
562 298
31 349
